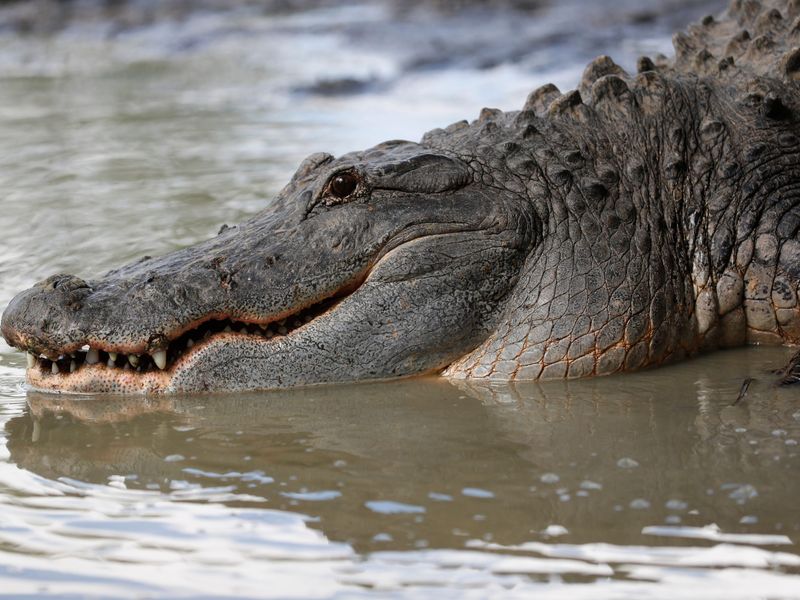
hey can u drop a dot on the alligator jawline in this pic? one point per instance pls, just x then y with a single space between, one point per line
189 341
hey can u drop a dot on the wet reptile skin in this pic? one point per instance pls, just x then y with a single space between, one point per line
634 221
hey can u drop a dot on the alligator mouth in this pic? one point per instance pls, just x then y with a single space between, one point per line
80 371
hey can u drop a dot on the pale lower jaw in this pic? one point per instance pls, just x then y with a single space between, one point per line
92 370
99 379
104 379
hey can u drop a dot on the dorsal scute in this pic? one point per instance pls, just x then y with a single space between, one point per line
751 38
753 49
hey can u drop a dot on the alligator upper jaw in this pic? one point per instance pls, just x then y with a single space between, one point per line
94 370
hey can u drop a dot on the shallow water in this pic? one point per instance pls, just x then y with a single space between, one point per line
124 141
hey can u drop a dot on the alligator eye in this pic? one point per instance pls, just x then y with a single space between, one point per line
343 184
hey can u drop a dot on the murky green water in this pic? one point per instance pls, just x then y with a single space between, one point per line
119 143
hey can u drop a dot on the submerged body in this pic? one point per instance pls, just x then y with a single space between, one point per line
634 221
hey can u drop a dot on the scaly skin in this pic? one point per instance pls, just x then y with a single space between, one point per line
629 223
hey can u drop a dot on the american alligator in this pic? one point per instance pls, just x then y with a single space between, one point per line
634 221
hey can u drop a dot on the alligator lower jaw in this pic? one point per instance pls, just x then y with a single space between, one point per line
94 379
100 371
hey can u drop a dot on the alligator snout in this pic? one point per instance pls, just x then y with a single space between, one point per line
35 318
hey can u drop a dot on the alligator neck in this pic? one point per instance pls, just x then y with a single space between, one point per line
669 218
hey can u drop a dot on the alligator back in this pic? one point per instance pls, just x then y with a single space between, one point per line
752 39
669 203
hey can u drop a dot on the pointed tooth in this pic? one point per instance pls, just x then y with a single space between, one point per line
227 329
308 318
111 363
54 368
269 333
112 356
160 358
31 359
282 330
133 359
243 330
263 325
189 343
92 356
85 348
72 366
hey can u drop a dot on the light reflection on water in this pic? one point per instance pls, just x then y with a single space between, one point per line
406 485
118 146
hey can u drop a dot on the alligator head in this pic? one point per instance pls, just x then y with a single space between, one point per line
377 264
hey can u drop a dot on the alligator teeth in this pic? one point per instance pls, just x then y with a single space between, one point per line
143 363
92 356
160 358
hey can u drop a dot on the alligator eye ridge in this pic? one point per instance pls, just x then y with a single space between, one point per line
343 184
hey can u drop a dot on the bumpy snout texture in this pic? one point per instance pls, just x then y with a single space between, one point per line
37 314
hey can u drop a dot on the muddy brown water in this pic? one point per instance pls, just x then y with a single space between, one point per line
120 142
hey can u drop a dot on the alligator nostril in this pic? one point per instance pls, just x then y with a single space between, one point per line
74 283
63 282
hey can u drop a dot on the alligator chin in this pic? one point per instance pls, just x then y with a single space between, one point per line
94 370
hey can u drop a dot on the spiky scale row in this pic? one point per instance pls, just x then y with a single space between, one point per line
754 38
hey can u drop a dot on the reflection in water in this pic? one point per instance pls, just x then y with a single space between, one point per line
426 463
637 484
